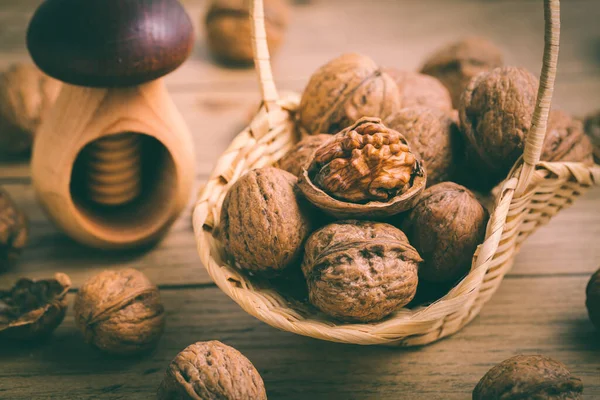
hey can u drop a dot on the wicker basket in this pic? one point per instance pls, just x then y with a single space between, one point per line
532 193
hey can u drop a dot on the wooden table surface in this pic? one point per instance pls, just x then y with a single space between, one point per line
538 309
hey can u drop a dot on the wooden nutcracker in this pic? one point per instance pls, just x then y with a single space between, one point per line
113 162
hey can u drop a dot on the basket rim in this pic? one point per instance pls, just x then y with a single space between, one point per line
463 295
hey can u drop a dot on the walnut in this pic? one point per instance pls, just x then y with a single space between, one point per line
264 223
592 129
367 170
120 312
565 140
434 135
345 89
529 377
299 156
229 29
360 270
33 309
26 94
456 63
445 227
593 299
495 116
211 371
14 230
420 90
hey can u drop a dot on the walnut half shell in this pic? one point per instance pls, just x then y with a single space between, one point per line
33 309
366 171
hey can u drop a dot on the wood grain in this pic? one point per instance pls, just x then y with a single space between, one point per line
295 367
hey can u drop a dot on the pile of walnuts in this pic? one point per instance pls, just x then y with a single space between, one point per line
375 202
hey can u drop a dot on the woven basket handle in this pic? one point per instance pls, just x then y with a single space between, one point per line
535 137
262 58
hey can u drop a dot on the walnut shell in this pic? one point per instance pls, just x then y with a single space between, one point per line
345 89
14 230
263 222
229 29
420 90
592 302
528 377
300 155
445 227
565 140
434 135
211 371
456 63
592 129
33 309
26 94
120 312
360 270
365 171
495 116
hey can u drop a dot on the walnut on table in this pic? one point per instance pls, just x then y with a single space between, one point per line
211 371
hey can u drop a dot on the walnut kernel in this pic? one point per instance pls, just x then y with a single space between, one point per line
445 227
120 312
528 377
345 89
229 29
456 63
360 270
367 169
26 95
211 371
263 222
33 309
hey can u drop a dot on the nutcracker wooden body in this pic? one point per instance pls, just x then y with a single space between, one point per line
113 162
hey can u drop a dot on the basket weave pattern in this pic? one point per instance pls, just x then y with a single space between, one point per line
531 195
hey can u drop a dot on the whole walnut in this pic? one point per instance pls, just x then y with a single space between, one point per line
229 29
456 63
33 309
345 89
420 90
120 312
300 155
593 299
592 129
445 227
14 230
211 371
366 170
532 377
26 94
434 135
264 222
495 116
565 140
360 270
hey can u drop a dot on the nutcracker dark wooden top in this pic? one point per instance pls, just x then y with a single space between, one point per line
108 43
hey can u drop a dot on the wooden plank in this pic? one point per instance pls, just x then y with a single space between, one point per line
294 367
565 246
